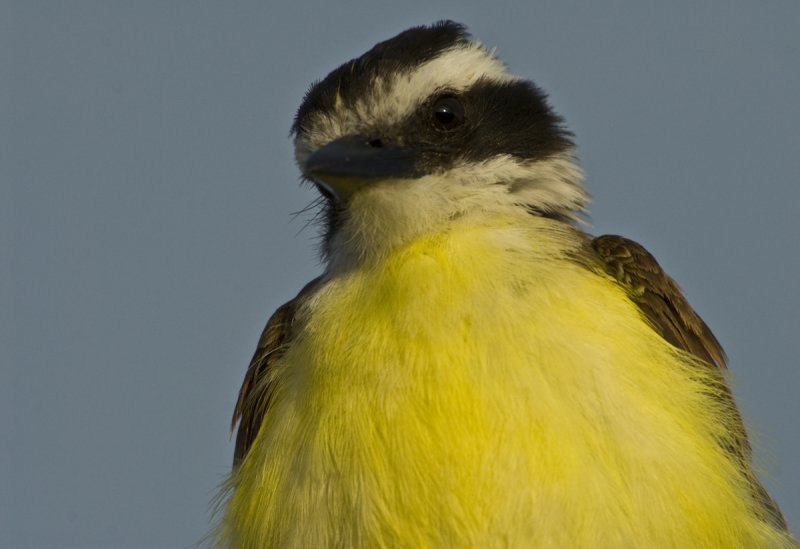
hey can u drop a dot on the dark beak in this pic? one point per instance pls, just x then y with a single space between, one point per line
350 163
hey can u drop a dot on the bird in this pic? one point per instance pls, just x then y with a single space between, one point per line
472 368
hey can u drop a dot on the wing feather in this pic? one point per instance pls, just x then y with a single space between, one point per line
255 392
658 297
662 302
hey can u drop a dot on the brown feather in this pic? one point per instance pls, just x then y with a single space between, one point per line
255 393
663 304
658 297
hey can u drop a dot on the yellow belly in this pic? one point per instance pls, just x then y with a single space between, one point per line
478 389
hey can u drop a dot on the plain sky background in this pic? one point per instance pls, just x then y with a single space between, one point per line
148 182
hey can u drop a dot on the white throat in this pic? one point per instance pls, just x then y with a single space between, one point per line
390 213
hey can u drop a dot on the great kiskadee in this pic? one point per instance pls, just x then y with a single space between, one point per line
471 369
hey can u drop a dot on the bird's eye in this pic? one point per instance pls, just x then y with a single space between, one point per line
448 113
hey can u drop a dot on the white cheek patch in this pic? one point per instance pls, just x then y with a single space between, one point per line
455 69
551 185
554 185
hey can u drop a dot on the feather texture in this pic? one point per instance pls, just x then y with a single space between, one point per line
478 387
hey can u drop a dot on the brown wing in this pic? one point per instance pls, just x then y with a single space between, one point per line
255 393
664 305
658 297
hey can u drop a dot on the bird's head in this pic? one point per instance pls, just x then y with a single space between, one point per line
425 127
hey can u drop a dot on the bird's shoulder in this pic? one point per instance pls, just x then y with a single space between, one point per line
657 296
662 302
256 390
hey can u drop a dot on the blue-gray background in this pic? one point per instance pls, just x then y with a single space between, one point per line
147 185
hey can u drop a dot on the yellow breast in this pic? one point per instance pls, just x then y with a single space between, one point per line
477 388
